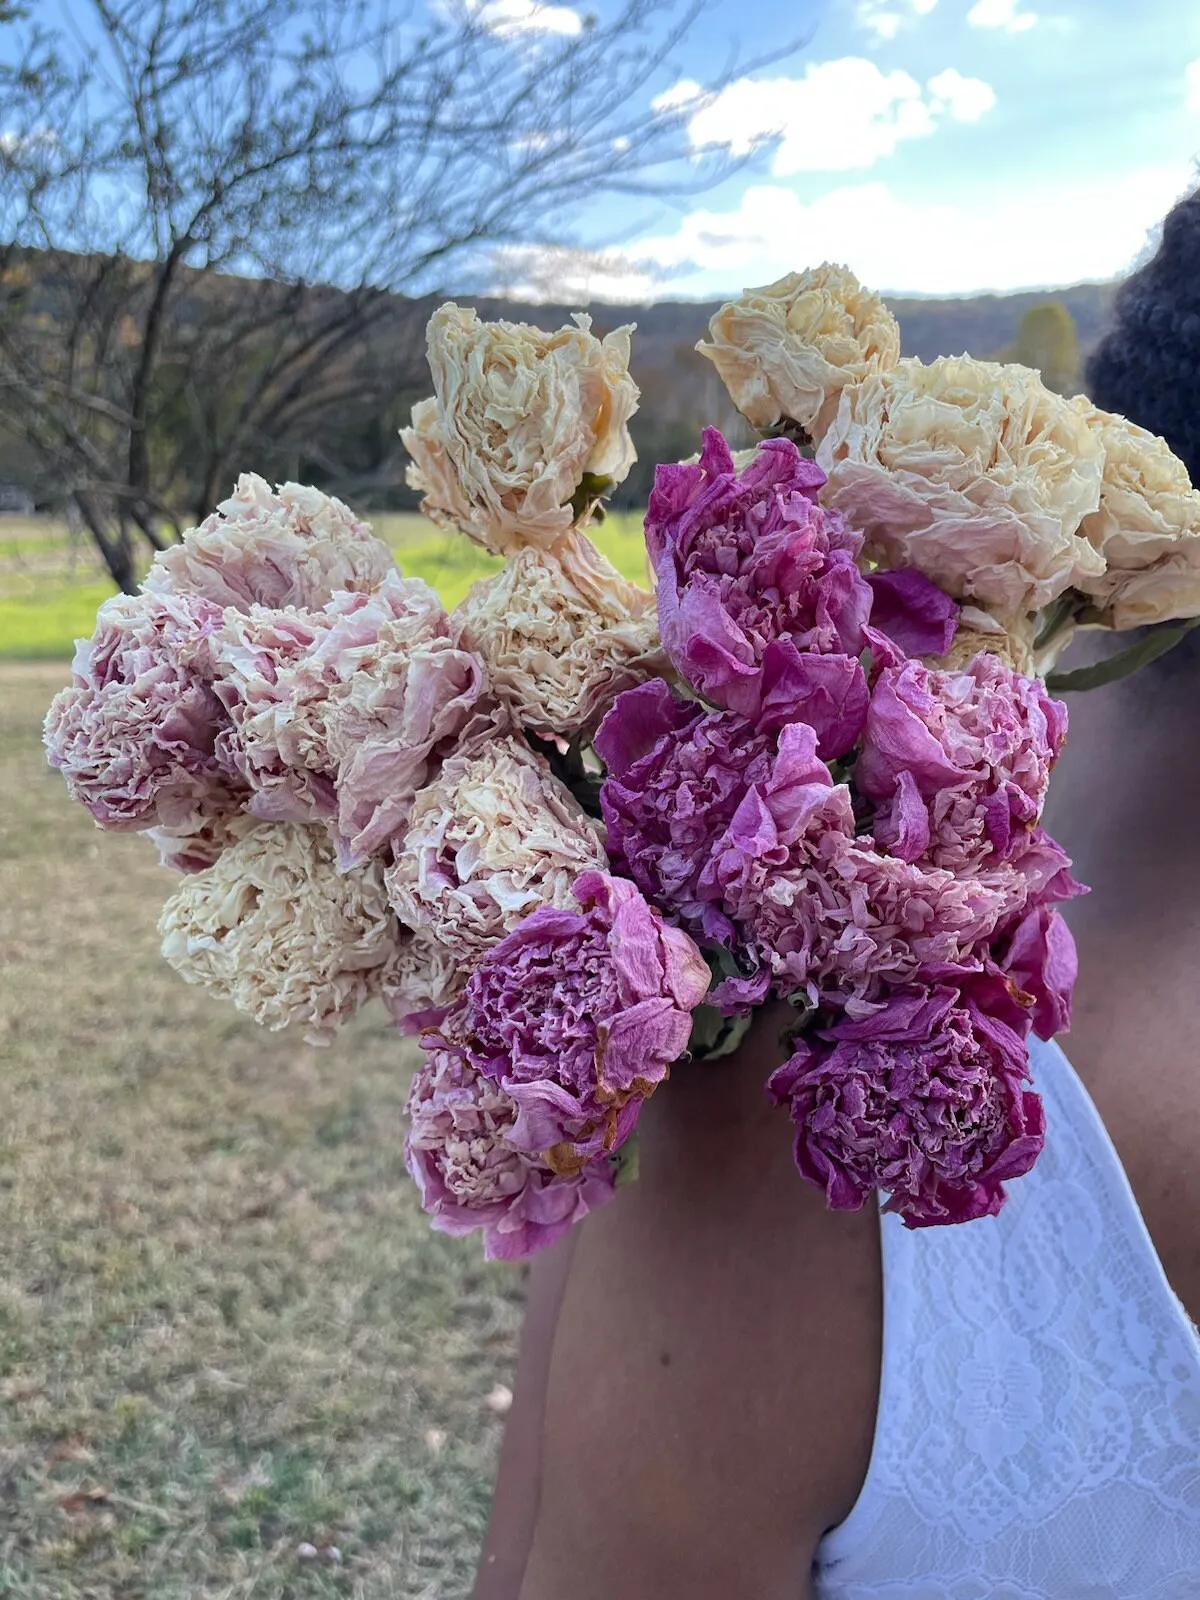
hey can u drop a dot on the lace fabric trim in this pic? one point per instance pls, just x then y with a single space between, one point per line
1038 1432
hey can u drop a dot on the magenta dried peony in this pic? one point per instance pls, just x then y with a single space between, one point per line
676 776
578 1015
813 910
134 734
913 612
760 601
288 547
928 1099
958 762
471 1176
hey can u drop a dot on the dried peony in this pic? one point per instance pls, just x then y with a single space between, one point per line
786 351
276 738
1147 502
471 1177
562 634
524 429
813 911
422 980
290 547
973 473
274 926
928 1099
135 733
958 763
676 776
494 836
1168 589
1039 958
578 1015
760 601
345 712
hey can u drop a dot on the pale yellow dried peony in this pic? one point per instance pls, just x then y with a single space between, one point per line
519 419
492 838
981 633
274 926
562 633
1165 590
788 350
972 472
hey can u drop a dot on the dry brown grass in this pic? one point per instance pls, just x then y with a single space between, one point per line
225 1328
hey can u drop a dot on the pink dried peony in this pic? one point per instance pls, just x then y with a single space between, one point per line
760 601
810 908
198 842
344 713
958 762
421 982
1039 957
471 1176
135 733
578 1015
291 547
927 1099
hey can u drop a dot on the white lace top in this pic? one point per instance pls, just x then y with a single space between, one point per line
1038 1435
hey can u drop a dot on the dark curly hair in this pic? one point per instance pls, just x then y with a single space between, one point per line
1147 366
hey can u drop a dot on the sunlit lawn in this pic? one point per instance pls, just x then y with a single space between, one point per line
50 585
226 1331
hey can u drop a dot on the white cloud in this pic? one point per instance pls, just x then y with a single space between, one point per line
885 18
1043 234
840 116
1191 77
1005 14
507 18
541 273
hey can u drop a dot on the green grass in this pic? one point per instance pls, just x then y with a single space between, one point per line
45 603
226 1329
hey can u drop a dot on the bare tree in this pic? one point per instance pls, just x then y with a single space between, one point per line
223 218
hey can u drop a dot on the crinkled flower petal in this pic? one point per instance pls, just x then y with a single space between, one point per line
788 350
520 421
562 633
289 547
274 926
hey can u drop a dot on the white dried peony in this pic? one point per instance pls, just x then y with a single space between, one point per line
562 634
786 351
288 547
492 838
274 926
972 472
519 420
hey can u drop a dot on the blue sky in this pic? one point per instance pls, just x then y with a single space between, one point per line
936 146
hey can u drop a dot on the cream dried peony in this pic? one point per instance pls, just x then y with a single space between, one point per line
1147 502
290 547
274 926
788 350
562 633
972 472
519 419
492 838
1165 590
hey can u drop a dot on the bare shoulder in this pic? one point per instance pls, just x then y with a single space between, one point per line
710 1397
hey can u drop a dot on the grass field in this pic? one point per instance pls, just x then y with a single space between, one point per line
226 1331
51 582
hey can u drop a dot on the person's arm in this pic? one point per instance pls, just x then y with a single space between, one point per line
708 1407
518 1485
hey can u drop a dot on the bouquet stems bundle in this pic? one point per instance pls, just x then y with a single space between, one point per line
575 833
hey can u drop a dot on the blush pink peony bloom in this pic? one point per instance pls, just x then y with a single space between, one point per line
578 1014
760 601
958 762
928 1099
472 1177
288 547
135 733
